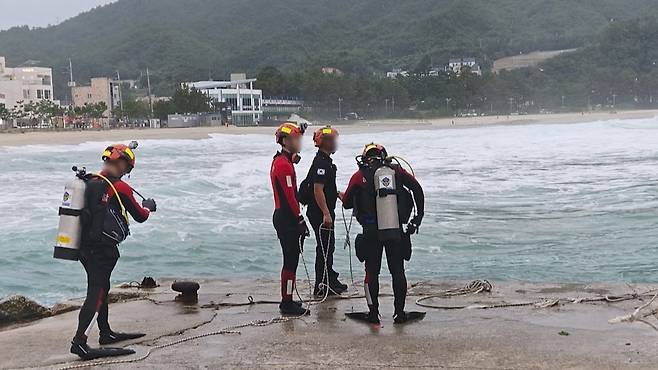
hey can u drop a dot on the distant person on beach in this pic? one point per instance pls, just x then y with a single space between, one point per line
109 200
321 192
363 194
288 221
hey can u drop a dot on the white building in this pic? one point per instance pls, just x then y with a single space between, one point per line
455 65
25 84
397 73
239 94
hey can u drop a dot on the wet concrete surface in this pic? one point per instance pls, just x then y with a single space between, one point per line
571 336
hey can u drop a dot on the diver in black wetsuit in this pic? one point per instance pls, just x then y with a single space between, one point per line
362 197
323 195
99 251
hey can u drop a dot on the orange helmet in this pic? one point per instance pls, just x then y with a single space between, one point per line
119 151
322 133
375 150
289 129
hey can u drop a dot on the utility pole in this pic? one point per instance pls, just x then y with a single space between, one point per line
386 100
448 105
393 104
340 109
563 97
120 93
148 83
614 100
71 82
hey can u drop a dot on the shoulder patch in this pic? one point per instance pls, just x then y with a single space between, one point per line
321 171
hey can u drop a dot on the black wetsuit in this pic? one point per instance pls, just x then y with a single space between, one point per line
323 171
97 255
286 219
361 196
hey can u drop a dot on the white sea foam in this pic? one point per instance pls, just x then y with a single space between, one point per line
539 202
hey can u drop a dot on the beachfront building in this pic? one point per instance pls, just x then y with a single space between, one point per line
238 94
28 83
101 90
455 65
397 72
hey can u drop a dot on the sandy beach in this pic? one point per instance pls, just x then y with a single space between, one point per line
76 137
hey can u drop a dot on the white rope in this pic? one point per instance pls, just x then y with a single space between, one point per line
638 316
227 330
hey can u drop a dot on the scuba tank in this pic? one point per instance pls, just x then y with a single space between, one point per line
388 221
67 244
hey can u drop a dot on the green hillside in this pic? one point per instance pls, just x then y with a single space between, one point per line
192 39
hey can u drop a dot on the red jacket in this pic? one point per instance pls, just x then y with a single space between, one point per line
284 185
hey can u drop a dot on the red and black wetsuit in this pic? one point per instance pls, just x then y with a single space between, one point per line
361 196
97 255
286 218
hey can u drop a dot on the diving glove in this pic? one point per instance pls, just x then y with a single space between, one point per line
414 224
150 204
303 228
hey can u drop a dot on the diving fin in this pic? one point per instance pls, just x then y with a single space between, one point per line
367 317
114 337
87 353
407 317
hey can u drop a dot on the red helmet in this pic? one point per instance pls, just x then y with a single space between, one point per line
119 151
375 150
322 133
289 129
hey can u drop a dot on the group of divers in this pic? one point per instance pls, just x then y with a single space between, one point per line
387 201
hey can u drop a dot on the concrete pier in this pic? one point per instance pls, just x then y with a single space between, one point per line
574 336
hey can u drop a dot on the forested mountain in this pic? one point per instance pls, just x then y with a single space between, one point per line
192 39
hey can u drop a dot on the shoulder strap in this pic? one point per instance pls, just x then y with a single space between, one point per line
123 208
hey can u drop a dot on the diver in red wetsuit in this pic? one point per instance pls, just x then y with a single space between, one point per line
108 202
288 221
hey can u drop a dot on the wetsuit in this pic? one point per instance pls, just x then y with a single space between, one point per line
97 255
361 196
287 217
323 171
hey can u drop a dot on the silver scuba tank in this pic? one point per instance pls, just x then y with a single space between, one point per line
67 244
388 222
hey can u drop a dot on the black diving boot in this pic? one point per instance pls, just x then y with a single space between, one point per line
87 353
112 337
335 284
338 287
403 317
291 308
373 316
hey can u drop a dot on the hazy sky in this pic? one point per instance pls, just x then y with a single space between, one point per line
42 12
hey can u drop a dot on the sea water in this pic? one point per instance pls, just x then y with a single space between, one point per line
559 203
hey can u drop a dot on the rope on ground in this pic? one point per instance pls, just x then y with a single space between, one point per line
227 330
638 315
484 286
474 287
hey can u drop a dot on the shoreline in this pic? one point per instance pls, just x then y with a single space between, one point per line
198 133
512 334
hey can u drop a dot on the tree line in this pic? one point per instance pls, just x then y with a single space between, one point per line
619 70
